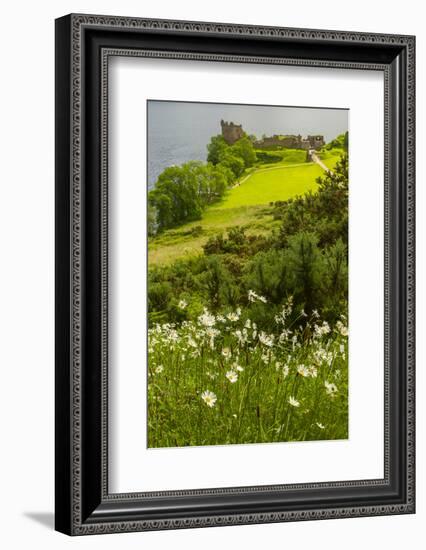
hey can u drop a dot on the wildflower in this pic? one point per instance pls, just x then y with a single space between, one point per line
234 415
209 398
321 330
313 371
207 319
192 342
315 314
323 356
237 367
247 324
233 317
303 371
232 376
286 370
253 297
307 372
293 402
330 388
221 318
265 357
226 352
159 369
266 340
320 426
340 327
242 336
284 335
182 304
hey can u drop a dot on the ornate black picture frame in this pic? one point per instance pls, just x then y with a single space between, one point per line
84 44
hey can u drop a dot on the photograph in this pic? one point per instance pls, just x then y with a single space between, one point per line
234 261
247 283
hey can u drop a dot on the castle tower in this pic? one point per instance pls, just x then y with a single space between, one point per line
231 132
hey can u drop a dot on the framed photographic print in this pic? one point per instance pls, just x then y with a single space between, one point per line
234 274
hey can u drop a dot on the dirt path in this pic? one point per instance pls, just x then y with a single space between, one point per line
316 159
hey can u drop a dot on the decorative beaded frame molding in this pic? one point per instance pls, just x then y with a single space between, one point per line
84 506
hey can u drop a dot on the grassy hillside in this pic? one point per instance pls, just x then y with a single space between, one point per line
188 239
274 184
245 205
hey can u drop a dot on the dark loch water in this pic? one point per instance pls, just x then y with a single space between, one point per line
179 132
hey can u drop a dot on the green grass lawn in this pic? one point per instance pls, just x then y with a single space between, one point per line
276 183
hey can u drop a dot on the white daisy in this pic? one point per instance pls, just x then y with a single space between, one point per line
330 388
209 398
226 352
266 340
232 317
232 376
293 402
207 319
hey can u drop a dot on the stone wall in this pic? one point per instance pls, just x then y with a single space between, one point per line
233 132
290 142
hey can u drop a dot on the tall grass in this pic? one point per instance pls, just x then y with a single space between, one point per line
219 380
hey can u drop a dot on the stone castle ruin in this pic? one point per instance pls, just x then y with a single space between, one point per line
233 132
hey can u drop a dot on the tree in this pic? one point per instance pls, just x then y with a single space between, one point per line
306 266
216 149
337 273
182 192
152 224
346 141
162 204
243 148
175 196
217 282
234 163
267 274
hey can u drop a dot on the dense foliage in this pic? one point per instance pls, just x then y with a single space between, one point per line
305 258
341 141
